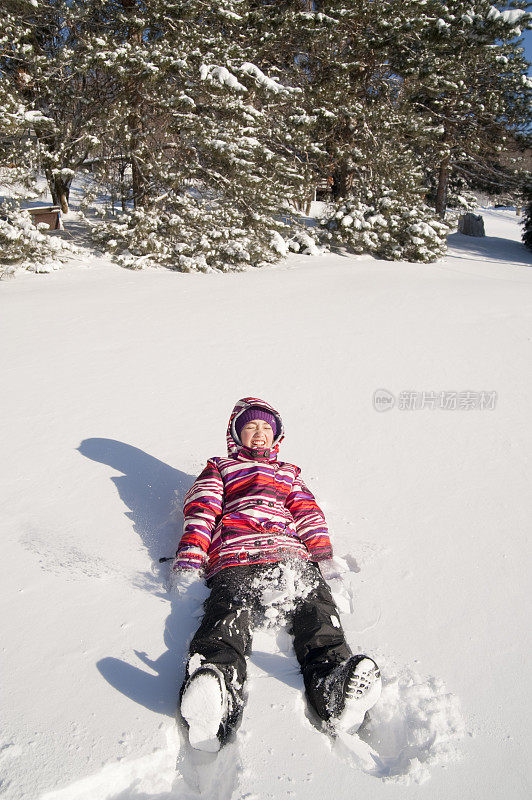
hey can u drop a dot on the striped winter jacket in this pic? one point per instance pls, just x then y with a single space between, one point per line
250 508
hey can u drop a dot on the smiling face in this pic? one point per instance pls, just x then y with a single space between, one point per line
257 434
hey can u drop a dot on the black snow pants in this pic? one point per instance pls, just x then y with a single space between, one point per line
237 602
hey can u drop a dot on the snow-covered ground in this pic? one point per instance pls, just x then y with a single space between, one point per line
116 388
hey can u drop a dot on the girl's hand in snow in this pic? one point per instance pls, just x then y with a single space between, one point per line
333 567
189 585
332 570
182 579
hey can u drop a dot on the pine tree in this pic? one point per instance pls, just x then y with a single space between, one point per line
216 156
344 57
22 244
18 154
208 123
44 63
527 221
339 54
466 78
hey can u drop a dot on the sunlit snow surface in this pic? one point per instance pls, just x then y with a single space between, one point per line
117 388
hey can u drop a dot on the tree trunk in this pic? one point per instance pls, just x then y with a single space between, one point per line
139 192
139 184
137 177
134 122
123 190
62 193
443 184
342 181
59 189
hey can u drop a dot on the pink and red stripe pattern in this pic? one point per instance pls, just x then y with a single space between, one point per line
250 508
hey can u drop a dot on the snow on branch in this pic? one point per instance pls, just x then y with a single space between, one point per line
220 75
271 85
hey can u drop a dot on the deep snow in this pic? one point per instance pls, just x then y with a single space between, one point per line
118 386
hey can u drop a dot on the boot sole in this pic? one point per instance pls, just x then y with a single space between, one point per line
203 706
363 690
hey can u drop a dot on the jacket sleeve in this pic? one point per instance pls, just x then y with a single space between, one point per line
202 508
310 521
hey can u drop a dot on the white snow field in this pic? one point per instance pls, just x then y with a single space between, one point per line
118 385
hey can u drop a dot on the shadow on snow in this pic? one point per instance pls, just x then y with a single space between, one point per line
150 489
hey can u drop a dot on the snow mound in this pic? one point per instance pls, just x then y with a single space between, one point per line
415 727
417 724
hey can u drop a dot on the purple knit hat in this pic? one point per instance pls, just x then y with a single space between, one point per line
255 413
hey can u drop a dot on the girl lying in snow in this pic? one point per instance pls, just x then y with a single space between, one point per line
257 535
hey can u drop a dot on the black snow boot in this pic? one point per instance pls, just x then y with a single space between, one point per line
351 689
205 708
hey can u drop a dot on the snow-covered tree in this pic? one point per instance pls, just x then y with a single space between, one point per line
206 123
338 53
527 219
383 225
215 159
466 76
25 246
448 79
43 60
366 138
22 244
18 153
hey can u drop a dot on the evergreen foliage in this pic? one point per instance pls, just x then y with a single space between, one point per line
214 158
24 245
468 80
385 226
527 220
43 59
206 124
